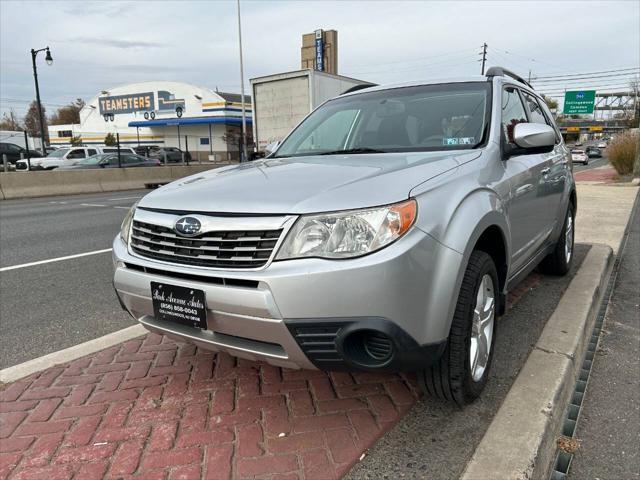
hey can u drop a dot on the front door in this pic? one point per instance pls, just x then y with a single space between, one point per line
527 207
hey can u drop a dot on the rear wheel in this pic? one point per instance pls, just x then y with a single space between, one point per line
461 373
559 261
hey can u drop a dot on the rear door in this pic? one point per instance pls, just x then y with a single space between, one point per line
528 204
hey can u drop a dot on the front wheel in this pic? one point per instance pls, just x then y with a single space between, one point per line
461 373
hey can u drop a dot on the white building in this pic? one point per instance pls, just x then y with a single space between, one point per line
205 122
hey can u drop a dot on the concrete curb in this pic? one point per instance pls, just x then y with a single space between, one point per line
11 374
520 443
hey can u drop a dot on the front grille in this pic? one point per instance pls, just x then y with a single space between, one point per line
222 249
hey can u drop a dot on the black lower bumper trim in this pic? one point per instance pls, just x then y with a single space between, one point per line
326 343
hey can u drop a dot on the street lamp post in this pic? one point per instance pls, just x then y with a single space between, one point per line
49 60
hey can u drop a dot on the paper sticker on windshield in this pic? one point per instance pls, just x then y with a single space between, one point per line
448 141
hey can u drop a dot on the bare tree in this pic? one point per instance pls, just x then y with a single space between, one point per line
10 121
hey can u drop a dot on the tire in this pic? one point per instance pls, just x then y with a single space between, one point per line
452 378
559 261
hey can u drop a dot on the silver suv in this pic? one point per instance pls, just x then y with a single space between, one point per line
383 234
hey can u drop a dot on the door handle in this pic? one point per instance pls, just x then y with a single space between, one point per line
544 171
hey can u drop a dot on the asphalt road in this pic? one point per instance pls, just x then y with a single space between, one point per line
593 162
55 305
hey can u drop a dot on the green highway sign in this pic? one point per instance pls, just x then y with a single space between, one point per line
579 102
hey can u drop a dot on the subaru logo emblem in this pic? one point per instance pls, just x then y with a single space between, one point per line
187 226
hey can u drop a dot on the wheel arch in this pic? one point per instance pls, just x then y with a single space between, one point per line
480 222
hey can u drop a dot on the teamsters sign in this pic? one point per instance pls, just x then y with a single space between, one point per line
127 103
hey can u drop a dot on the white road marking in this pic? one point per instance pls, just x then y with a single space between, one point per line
126 208
91 205
121 198
51 260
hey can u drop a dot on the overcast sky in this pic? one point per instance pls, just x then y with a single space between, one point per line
97 45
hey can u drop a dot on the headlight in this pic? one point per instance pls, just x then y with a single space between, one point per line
347 234
125 228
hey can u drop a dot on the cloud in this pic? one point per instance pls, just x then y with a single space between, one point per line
116 43
97 45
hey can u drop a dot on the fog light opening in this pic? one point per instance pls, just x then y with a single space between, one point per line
369 348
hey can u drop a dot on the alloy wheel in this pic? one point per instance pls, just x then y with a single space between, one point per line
482 328
568 241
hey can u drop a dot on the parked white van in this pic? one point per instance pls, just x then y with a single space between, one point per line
67 157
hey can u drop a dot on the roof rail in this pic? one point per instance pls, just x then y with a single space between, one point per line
360 86
502 72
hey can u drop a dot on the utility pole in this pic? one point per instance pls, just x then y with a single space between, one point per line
484 56
244 119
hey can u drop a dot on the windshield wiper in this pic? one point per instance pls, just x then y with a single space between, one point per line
353 150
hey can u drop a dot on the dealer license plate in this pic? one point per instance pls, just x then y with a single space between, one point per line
186 306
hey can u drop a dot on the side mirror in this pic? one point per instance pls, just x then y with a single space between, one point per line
538 136
272 147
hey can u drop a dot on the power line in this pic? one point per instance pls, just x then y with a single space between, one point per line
601 89
428 65
588 73
580 79
583 85
526 57
420 59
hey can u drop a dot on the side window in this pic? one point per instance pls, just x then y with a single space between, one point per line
512 112
130 159
78 153
535 110
11 148
92 151
549 117
113 160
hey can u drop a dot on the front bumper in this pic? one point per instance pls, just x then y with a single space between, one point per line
262 315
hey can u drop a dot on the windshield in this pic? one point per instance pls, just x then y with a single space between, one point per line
423 118
59 153
93 160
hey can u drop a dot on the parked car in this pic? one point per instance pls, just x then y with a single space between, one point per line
383 234
15 152
579 156
68 156
593 152
171 154
110 160
602 145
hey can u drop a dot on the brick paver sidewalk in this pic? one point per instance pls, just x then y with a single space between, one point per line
600 174
155 409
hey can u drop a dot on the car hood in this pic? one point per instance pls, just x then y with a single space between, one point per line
305 184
